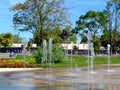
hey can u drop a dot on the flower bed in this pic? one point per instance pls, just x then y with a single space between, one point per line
15 64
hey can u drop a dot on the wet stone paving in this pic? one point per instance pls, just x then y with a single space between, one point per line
79 78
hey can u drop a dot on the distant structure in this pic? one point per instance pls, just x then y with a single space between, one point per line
82 49
16 48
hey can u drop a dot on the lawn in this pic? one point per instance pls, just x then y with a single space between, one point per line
79 60
83 60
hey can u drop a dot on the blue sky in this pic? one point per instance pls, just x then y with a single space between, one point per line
77 8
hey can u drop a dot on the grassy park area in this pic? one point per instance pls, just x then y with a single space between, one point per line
75 60
78 60
83 60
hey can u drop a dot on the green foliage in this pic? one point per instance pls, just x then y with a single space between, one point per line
105 38
67 36
79 60
6 39
55 35
115 48
75 47
17 38
113 12
97 45
72 37
29 58
58 54
38 54
92 21
40 17
29 45
84 39
83 61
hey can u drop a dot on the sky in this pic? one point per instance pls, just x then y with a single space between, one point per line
76 8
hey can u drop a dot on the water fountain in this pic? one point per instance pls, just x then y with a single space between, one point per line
24 43
109 62
47 55
44 58
71 54
50 54
90 52
45 79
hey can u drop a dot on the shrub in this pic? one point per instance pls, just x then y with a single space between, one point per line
58 53
38 54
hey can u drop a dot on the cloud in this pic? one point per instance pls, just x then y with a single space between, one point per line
13 2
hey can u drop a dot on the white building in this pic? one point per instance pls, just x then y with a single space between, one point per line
71 46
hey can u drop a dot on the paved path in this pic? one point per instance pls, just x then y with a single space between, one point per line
17 69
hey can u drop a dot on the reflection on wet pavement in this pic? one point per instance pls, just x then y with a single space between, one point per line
61 79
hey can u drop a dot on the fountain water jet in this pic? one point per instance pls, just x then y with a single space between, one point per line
90 52
50 54
24 43
44 58
109 62
71 53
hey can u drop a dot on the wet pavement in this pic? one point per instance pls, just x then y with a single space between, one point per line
78 78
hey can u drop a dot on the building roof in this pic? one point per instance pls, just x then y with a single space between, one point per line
16 45
19 45
71 46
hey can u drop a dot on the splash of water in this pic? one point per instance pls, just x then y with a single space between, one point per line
90 50
24 43
44 58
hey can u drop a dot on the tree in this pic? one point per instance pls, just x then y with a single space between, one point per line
71 36
67 36
40 17
97 44
29 45
113 12
55 35
92 21
84 39
17 38
6 39
105 38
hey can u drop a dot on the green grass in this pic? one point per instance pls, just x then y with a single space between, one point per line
80 60
28 58
22 57
83 60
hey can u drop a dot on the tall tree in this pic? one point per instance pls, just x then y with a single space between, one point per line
113 12
29 45
67 36
84 39
105 38
92 21
40 17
